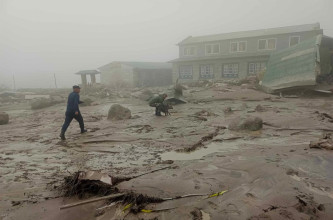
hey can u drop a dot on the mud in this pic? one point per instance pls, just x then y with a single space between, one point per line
269 174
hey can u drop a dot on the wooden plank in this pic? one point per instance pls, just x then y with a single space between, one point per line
91 200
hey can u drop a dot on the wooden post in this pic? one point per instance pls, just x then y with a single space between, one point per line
55 81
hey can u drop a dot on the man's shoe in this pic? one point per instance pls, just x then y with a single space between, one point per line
84 131
62 136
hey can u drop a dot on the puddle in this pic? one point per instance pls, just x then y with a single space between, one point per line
211 148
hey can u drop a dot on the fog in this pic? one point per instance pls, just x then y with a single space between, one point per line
39 38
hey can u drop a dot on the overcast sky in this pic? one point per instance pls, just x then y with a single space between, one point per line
41 37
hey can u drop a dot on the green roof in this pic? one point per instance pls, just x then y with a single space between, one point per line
294 66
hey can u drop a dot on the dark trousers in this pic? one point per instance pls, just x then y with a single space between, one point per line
69 118
158 108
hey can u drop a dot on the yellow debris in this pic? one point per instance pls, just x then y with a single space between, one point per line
218 194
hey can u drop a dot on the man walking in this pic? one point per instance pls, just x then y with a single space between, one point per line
157 102
73 112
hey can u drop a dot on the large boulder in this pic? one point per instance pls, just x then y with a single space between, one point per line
4 118
143 95
41 103
250 124
118 112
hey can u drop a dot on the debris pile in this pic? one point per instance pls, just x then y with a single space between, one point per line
135 202
250 123
85 185
118 112
205 113
4 118
324 116
201 83
324 143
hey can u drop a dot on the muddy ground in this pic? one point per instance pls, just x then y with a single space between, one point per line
269 174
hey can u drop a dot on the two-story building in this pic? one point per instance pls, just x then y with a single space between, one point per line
235 55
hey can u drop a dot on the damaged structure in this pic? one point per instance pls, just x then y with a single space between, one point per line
84 73
236 55
136 74
307 65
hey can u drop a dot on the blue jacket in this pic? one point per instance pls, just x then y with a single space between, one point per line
73 103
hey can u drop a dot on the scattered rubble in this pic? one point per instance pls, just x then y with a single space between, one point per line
324 116
205 112
118 112
324 143
4 118
249 123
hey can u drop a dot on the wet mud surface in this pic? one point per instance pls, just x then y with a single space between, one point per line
269 174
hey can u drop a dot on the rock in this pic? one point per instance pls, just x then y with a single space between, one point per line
118 112
58 99
260 108
143 95
250 123
205 113
4 118
324 143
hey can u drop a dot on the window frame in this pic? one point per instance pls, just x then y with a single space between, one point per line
190 55
266 44
211 74
181 66
255 63
233 77
299 40
212 49
238 42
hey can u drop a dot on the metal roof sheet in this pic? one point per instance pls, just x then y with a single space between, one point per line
294 66
140 65
252 33
87 72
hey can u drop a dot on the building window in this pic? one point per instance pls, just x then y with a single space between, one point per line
212 49
238 46
185 72
267 44
256 67
294 40
189 51
206 72
230 70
